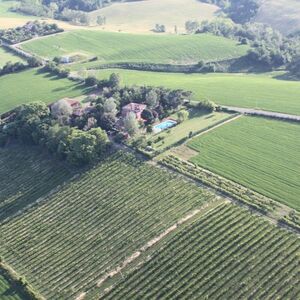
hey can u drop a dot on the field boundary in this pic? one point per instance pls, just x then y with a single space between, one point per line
270 211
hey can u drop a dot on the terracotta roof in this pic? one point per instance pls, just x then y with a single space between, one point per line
135 107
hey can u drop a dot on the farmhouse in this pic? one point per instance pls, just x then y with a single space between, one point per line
135 108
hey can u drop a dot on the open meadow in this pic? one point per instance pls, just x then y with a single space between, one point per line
6 56
262 91
65 244
32 85
112 47
259 153
226 254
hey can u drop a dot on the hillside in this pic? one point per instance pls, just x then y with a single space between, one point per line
283 15
121 47
141 16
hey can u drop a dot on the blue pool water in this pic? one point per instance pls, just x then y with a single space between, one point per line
164 125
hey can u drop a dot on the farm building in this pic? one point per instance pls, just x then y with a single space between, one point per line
135 108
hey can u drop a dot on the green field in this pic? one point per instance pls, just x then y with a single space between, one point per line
122 47
241 90
226 254
6 56
26 174
196 122
66 244
258 153
32 85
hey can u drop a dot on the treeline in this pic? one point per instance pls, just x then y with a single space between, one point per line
268 46
240 11
34 123
10 67
28 31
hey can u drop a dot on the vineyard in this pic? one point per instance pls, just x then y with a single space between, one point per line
26 175
226 254
258 153
67 243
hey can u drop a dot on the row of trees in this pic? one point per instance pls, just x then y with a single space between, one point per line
28 31
33 123
269 46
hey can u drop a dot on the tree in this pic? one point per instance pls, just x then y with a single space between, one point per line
207 106
152 99
131 124
191 26
61 110
102 140
115 80
91 81
110 106
147 115
182 115
82 147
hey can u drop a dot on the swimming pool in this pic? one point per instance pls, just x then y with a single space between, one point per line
164 125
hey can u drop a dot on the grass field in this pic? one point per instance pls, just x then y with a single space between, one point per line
241 90
258 153
66 244
32 172
6 56
196 122
141 16
226 254
123 47
32 85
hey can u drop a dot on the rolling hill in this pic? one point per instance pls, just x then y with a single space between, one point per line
141 16
283 15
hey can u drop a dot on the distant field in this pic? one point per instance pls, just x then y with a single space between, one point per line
251 91
141 16
123 47
32 172
226 254
283 15
66 244
258 153
6 56
31 86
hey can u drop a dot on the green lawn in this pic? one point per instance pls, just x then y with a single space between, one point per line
260 91
261 154
6 56
121 47
195 123
31 86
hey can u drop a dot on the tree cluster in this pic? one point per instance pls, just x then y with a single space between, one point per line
10 67
28 31
268 46
34 123
240 11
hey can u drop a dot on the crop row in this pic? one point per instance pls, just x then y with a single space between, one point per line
67 243
228 187
227 254
26 174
